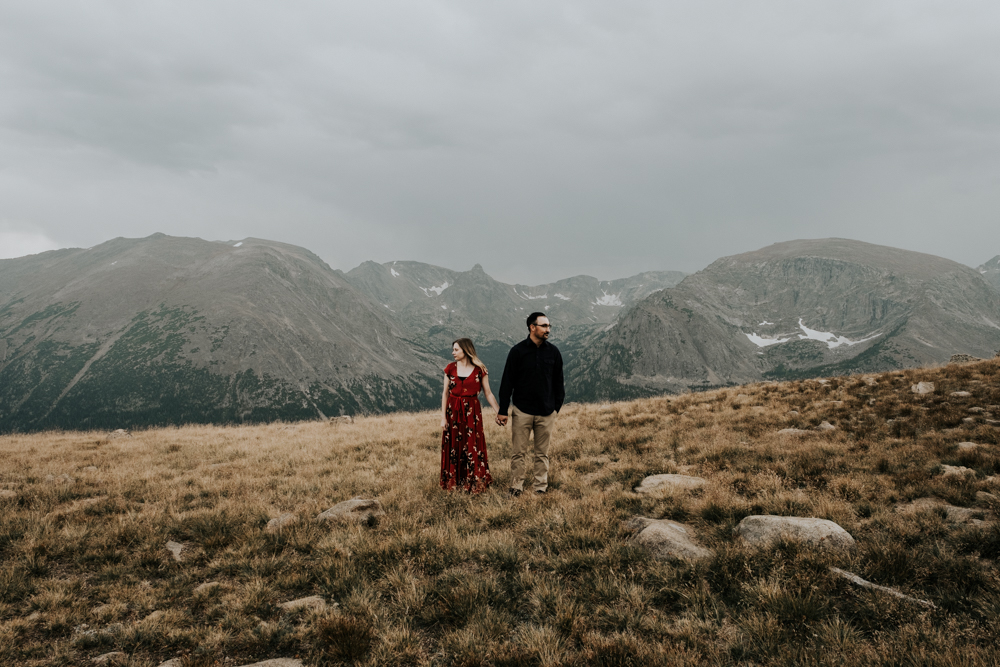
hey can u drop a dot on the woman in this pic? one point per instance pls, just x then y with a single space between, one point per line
463 445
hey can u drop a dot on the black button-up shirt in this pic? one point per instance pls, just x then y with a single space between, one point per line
534 373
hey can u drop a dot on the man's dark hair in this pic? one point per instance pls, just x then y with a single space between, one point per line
534 316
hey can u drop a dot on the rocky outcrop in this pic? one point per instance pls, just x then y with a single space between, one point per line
765 530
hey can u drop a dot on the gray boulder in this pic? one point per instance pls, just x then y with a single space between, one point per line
666 539
656 484
765 530
923 388
353 510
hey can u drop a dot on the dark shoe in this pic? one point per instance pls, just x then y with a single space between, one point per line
514 493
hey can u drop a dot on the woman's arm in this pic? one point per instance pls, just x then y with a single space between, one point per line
489 394
444 403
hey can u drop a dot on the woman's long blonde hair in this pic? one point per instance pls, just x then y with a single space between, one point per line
470 353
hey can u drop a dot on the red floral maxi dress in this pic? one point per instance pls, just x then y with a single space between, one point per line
463 445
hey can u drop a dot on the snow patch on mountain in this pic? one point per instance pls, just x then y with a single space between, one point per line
832 340
760 341
237 245
560 296
608 300
437 290
393 272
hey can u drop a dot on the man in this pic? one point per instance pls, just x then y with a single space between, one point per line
534 374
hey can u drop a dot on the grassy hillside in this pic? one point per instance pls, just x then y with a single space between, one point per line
449 579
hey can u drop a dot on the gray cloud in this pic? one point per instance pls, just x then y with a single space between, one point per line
541 140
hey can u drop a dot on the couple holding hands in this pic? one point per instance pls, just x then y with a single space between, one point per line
532 380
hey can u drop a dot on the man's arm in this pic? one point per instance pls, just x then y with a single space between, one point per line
506 388
558 388
506 385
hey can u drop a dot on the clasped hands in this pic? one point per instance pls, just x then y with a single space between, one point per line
501 420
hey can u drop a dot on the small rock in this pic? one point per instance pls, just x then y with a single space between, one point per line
663 483
355 509
109 658
793 431
923 388
823 381
275 525
311 602
7 493
826 426
953 513
666 539
277 662
976 410
76 506
766 530
175 549
957 471
969 420
206 587
119 433
984 498
793 413
155 616
61 479
961 394
858 581
173 662
967 446
963 359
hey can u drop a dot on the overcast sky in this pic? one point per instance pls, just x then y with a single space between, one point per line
540 139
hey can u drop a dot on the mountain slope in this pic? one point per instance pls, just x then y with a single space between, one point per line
991 271
168 330
795 309
437 305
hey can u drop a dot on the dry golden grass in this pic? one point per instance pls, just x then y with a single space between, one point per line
451 579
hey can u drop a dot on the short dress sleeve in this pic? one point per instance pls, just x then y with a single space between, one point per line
451 369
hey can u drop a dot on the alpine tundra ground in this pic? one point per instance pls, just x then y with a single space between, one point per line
449 579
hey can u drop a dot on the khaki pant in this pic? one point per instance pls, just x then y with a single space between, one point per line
521 426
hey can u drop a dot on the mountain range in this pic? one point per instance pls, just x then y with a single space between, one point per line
792 310
166 330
